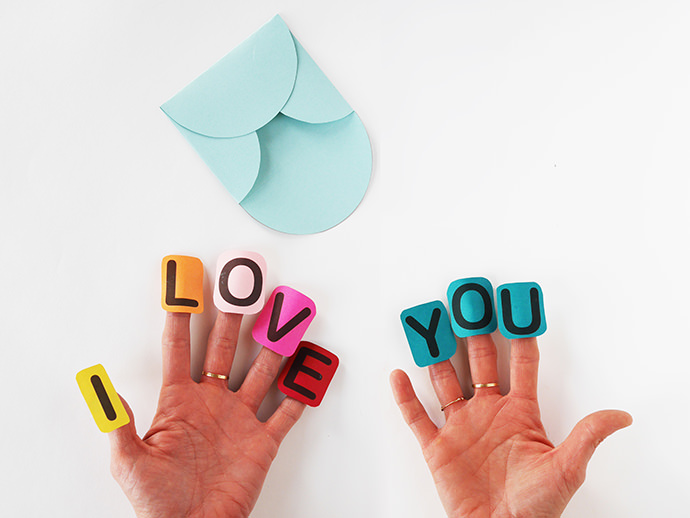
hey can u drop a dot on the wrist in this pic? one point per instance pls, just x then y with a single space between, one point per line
234 511
498 513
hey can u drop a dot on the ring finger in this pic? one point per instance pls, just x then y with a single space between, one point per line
446 385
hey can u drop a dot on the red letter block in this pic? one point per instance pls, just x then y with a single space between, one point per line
308 373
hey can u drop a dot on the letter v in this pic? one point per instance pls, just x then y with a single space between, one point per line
274 333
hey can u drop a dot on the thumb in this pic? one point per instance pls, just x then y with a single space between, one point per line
577 449
125 444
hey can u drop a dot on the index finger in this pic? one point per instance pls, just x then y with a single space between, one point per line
176 363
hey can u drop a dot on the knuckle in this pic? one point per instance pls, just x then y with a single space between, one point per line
265 367
479 351
525 357
225 344
176 343
442 374
574 477
291 412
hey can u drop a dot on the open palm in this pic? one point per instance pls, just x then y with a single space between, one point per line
492 458
206 453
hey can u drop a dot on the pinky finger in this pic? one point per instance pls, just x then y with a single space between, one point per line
284 418
412 410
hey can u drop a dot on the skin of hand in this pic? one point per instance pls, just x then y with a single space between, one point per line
492 459
206 454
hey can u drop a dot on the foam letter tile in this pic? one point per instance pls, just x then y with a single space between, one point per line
520 310
471 303
240 281
308 373
428 333
282 323
182 284
104 403
277 134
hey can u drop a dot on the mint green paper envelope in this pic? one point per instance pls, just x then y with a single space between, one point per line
276 132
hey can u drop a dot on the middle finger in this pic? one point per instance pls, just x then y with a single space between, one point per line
481 351
222 343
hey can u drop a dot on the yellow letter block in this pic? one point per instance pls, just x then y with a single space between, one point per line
104 403
182 284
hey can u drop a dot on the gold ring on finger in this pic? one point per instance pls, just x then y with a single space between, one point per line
485 385
214 375
454 401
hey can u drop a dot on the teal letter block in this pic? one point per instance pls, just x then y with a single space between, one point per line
521 310
428 332
471 303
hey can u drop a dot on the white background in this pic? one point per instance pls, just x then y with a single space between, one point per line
535 140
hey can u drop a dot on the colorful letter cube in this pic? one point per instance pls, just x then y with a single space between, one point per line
308 373
104 403
521 310
282 323
240 281
471 303
182 284
428 332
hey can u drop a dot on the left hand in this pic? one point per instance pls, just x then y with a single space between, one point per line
492 458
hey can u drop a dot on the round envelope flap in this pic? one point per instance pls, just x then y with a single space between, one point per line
314 98
235 161
312 176
244 90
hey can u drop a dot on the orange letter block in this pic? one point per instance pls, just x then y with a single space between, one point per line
183 284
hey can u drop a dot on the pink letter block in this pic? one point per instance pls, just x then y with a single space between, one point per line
282 323
240 280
